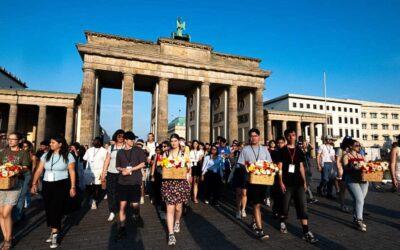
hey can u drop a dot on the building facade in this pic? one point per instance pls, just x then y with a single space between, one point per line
10 81
343 116
380 124
177 126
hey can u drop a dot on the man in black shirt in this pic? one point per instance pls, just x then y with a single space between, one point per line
293 184
129 163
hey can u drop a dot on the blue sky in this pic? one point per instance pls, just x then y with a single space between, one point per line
356 42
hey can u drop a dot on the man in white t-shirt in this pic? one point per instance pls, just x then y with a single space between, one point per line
326 160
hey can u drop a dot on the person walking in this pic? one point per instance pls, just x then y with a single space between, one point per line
129 163
110 173
306 149
251 154
9 198
95 158
326 160
395 164
343 150
196 159
277 195
358 189
293 184
58 183
212 174
175 192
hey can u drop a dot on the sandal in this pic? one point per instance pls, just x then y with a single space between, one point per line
6 245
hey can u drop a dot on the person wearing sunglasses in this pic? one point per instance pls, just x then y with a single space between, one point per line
358 189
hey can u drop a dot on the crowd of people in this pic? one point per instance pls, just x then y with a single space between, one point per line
127 169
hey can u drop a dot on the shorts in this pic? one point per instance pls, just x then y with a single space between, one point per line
239 179
196 170
256 193
130 193
10 197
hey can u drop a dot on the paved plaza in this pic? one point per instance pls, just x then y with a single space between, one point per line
207 227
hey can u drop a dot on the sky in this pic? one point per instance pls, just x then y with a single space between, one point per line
357 43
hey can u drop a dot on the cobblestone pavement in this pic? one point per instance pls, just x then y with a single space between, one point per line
207 227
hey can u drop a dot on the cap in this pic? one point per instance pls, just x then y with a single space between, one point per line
130 135
140 141
328 137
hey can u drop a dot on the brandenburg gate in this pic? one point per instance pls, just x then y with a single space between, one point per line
224 92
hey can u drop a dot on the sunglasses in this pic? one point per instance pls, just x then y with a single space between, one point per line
357 145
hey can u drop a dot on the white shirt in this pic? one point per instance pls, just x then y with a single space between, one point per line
327 153
195 156
95 158
151 148
113 158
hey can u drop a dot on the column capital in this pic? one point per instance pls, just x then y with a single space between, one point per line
205 83
163 79
86 69
128 74
233 86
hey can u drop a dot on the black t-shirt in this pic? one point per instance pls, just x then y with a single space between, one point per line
285 156
131 157
274 155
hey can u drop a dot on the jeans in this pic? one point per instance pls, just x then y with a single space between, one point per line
327 178
358 192
18 210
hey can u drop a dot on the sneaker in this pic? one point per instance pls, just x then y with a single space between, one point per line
94 205
207 202
141 200
312 201
111 217
283 228
177 227
309 237
261 235
238 215
244 215
268 202
105 197
53 243
360 226
253 226
48 240
171 240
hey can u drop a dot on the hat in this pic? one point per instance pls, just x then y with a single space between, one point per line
328 137
130 135
140 141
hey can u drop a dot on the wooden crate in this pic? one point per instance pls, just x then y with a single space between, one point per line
7 183
174 173
261 179
371 177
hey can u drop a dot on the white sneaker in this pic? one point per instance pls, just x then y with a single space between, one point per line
54 243
111 217
141 200
94 205
105 197
268 202
48 240
177 227
244 215
238 215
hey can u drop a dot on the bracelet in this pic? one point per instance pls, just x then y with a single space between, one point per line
73 187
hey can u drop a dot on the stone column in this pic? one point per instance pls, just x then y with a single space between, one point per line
69 123
41 125
205 112
12 118
298 129
324 131
128 87
162 116
233 113
269 130
284 127
259 111
312 138
88 93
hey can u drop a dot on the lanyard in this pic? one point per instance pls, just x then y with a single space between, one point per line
292 155
258 153
130 156
52 164
95 152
